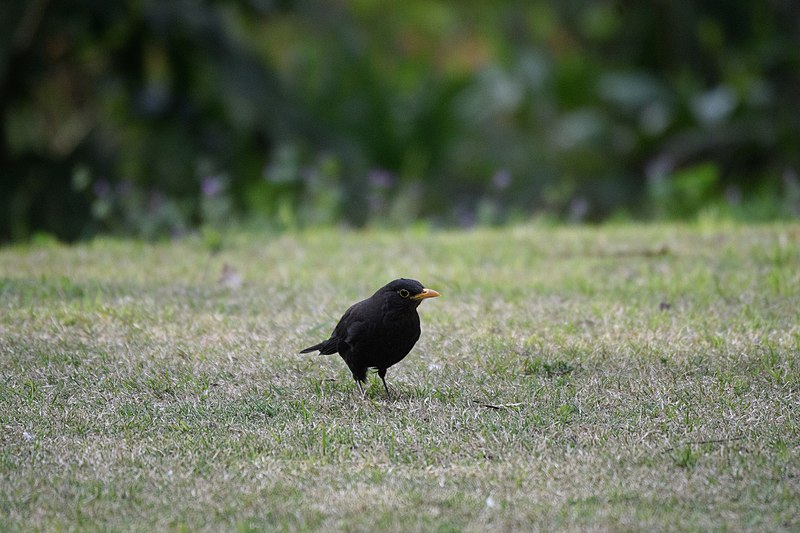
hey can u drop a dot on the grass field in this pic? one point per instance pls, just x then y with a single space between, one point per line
614 378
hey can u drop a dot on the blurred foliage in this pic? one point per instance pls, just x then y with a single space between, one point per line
153 118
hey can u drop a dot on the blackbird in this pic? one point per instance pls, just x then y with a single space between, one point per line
379 331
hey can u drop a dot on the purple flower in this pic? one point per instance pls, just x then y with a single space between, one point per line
380 178
101 188
156 201
501 179
578 209
211 186
465 216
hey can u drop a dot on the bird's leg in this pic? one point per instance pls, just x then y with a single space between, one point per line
382 374
360 388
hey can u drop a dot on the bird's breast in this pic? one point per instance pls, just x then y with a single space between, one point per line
391 340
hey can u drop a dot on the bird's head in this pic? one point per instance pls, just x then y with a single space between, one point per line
406 292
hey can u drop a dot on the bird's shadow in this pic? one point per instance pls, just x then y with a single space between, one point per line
374 391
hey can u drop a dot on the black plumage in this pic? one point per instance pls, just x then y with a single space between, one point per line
378 332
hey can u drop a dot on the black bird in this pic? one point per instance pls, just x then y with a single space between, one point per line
379 331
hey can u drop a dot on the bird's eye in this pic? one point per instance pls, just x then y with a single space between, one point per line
403 292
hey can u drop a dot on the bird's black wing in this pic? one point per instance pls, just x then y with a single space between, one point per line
332 344
355 321
340 331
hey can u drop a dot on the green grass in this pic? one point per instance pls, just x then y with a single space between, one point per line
615 378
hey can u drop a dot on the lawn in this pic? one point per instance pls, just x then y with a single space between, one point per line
611 378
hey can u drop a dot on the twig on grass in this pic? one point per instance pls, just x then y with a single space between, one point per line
707 441
497 407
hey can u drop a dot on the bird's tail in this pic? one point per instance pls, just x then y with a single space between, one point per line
325 347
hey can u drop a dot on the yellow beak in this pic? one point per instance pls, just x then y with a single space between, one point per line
426 293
